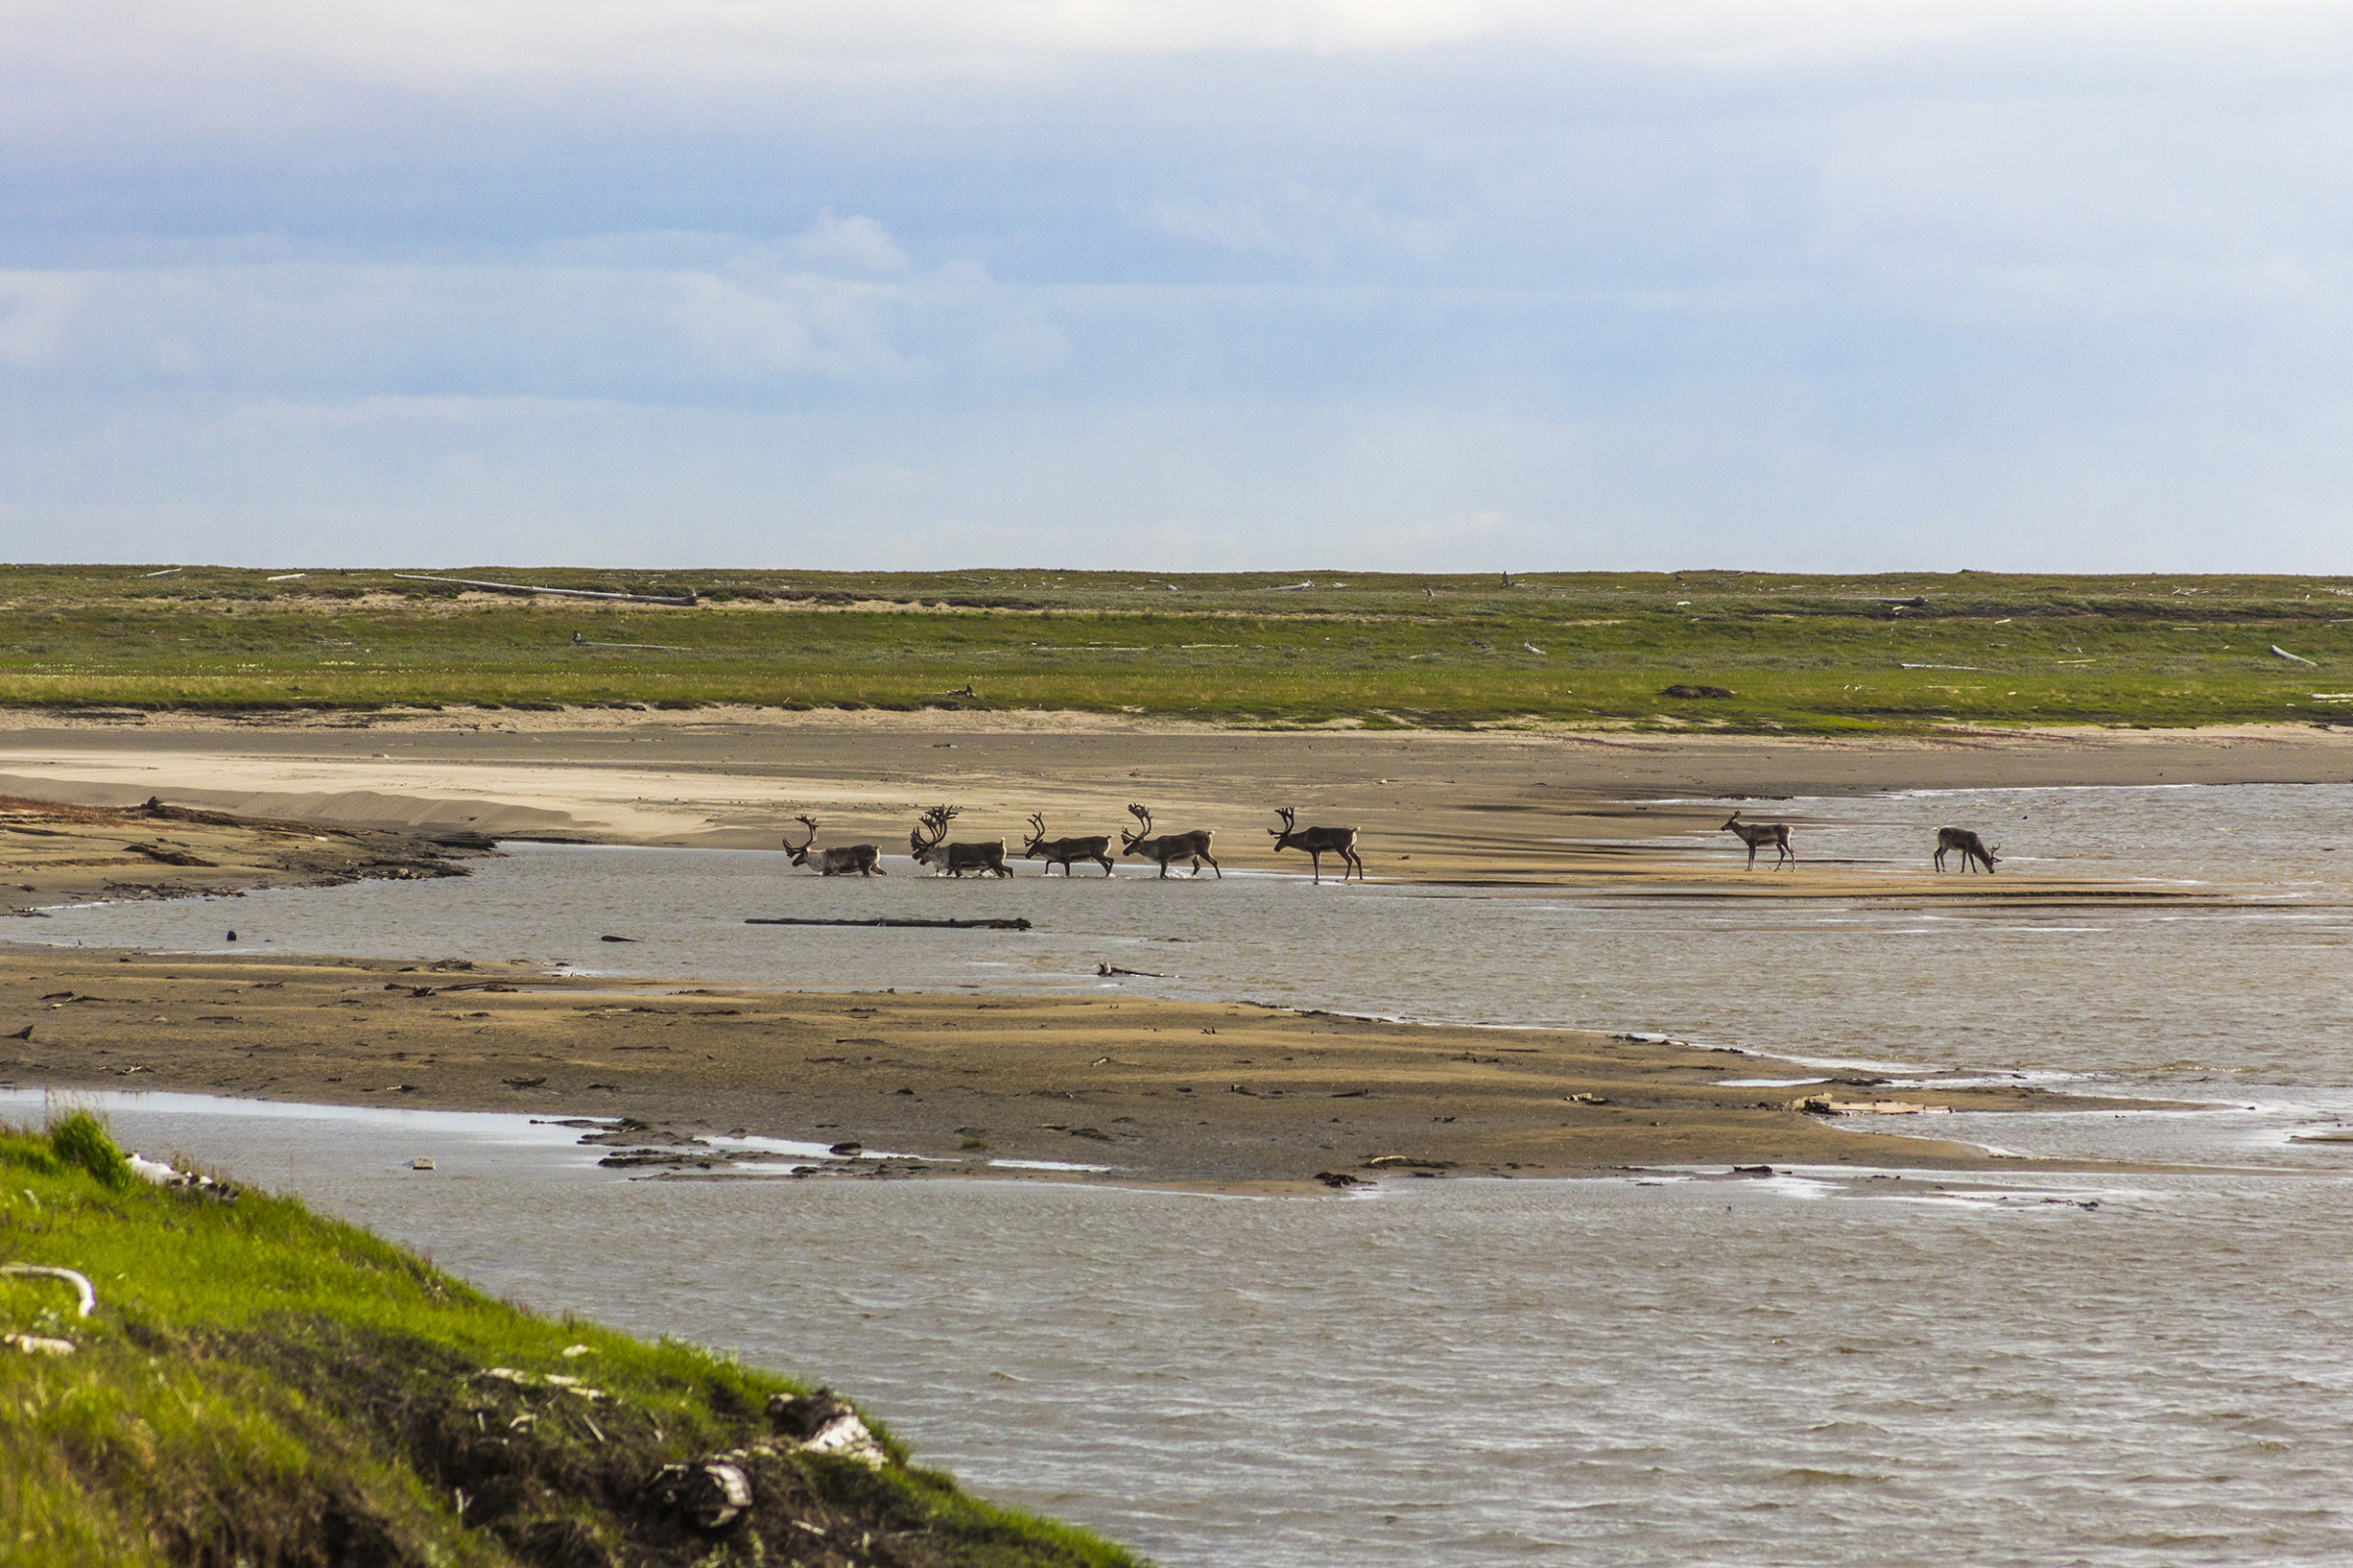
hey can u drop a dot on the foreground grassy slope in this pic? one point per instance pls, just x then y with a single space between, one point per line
1796 653
261 1386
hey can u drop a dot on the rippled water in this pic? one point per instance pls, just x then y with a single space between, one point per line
1701 1371
1636 1371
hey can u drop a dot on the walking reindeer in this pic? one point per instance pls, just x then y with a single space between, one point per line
955 859
1318 842
1168 848
864 858
1061 852
1973 849
1756 835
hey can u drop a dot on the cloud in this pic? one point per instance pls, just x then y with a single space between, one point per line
854 244
37 310
1797 280
701 318
1297 222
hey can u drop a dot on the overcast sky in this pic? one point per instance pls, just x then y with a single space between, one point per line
1198 284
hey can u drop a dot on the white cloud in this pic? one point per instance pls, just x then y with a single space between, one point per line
1300 223
854 244
36 312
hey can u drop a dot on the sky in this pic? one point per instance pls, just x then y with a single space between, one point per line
1194 286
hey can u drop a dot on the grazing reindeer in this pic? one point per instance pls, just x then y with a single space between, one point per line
1061 852
1758 834
864 858
1168 848
954 859
1973 849
1318 842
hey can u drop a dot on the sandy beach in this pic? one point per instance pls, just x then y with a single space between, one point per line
1542 807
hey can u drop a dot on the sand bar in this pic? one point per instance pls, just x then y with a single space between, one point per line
1158 1092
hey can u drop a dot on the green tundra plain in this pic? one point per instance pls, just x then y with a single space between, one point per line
1776 653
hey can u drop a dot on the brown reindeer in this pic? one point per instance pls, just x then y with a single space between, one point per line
1973 849
1756 835
864 858
1168 848
955 859
1061 852
1318 842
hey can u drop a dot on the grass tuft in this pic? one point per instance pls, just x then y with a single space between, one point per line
79 1140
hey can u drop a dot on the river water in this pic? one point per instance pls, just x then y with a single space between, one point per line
1666 1368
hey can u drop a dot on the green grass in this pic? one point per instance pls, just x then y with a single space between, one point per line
1800 654
262 1385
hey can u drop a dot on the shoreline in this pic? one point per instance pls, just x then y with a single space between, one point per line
1207 1095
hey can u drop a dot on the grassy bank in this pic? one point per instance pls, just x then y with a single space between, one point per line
1800 654
260 1386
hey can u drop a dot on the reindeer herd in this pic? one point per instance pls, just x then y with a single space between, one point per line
930 846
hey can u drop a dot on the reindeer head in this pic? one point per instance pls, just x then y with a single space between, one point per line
1730 821
1127 840
927 837
1279 835
800 852
1037 836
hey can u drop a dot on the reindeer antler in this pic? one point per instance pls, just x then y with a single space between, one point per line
1143 816
809 822
936 819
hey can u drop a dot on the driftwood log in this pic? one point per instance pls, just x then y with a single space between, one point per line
1014 925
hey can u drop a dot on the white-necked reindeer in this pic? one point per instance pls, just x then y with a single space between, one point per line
864 858
954 859
1756 835
1318 842
1061 852
1973 849
1168 848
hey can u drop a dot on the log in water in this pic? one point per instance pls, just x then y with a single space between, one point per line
1014 925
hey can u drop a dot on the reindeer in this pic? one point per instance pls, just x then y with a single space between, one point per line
1168 848
955 859
1758 834
1061 852
1318 842
1973 849
864 858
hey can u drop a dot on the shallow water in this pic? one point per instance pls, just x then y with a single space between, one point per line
1799 1371
1457 1372
2250 1001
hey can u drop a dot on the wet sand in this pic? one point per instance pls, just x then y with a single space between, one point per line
52 852
1221 1094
